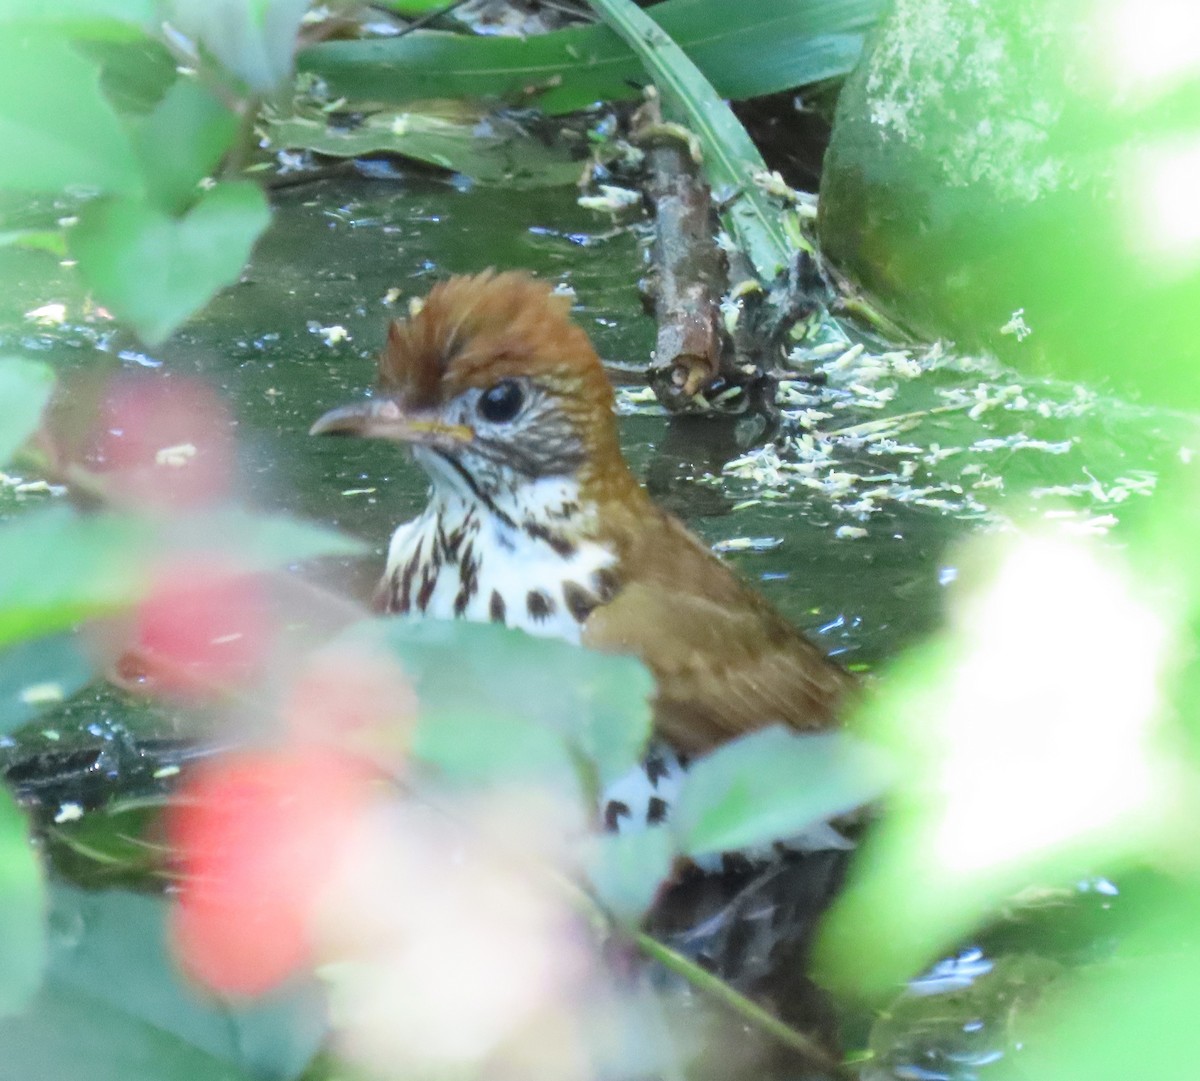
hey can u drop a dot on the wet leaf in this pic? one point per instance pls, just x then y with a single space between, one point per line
182 141
771 785
743 50
25 388
154 271
38 675
58 129
22 930
488 149
146 1025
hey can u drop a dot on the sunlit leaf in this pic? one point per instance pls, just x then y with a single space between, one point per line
769 786
730 157
182 141
57 127
627 869
1027 736
743 50
115 1009
22 922
25 388
154 271
35 676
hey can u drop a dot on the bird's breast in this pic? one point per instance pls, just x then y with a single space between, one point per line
463 563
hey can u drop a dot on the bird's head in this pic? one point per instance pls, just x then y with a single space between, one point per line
495 389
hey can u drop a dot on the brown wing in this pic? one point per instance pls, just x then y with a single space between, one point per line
726 662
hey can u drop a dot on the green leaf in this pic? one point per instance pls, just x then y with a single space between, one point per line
25 388
22 904
627 869
134 75
730 157
584 703
181 142
489 748
771 785
58 567
744 50
47 240
115 1009
103 20
491 150
37 675
252 39
154 271
57 129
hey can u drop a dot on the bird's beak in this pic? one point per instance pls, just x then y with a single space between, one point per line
382 418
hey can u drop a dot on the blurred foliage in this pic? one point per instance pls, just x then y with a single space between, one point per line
1034 209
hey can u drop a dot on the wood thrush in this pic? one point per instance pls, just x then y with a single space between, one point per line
536 521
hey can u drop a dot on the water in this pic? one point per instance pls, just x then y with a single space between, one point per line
300 332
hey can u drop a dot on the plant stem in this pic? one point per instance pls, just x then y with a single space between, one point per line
747 1009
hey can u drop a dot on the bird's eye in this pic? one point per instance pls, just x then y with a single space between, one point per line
502 402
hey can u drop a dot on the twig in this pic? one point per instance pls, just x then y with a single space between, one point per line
689 278
746 1008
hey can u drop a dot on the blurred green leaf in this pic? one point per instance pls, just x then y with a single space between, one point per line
488 748
154 271
626 870
1029 739
22 901
1132 1018
489 149
58 567
730 157
37 675
115 1009
25 388
47 240
773 784
181 142
134 75
744 51
590 704
57 128
252 39
105 20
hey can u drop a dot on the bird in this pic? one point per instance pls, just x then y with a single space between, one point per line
536 521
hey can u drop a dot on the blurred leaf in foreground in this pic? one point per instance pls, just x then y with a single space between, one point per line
22 931
114 1007
58 567
153 270
1029 738
771 785
25 387
57 128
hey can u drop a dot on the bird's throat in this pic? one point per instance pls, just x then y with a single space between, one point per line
533 564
